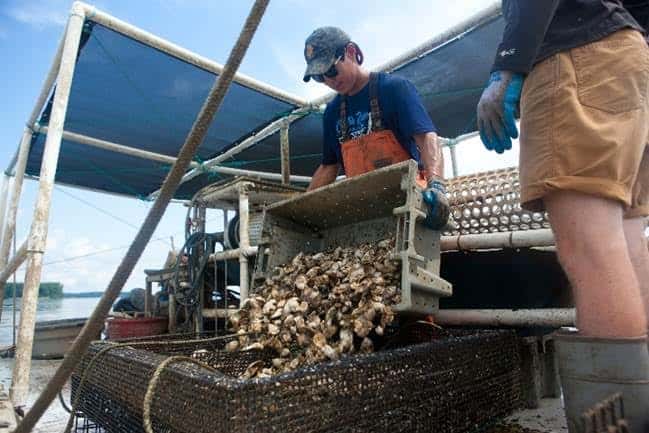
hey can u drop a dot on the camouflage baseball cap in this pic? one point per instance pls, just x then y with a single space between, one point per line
320 49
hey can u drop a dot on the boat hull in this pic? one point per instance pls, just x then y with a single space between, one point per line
53 338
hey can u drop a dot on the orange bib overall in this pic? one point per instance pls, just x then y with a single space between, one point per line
378 148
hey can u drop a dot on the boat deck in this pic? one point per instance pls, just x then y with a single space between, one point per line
55 419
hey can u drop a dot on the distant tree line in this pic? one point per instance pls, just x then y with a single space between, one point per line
48 290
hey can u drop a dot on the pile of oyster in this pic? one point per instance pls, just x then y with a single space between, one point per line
319 307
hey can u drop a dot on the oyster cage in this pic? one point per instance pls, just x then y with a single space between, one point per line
489 202
454 383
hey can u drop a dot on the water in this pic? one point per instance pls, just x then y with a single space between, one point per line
48 309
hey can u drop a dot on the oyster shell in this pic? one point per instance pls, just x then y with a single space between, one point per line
319 307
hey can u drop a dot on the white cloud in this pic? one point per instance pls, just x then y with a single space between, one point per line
80 246
40 14
64 262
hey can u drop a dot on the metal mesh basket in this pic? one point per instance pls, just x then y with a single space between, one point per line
489 202
82 424
454 383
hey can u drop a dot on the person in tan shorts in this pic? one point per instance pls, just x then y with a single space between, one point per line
580 70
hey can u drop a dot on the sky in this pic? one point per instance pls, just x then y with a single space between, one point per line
88 231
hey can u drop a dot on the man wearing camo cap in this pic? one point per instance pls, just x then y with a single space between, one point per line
374 121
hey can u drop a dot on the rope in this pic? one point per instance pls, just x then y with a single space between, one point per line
153 383
88 369
124 270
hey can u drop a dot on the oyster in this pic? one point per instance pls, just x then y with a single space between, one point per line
319 307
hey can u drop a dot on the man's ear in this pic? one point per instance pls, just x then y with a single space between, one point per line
354 53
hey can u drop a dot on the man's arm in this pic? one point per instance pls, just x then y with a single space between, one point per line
324 175
527 21
431 155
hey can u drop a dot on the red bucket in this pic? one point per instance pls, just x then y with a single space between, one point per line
118 328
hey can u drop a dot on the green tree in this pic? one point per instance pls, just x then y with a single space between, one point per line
46 290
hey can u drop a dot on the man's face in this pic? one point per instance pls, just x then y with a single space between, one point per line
343 82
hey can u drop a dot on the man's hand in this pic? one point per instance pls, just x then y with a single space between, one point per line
497 110
324 175
438 209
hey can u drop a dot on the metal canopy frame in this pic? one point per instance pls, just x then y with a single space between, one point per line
62 72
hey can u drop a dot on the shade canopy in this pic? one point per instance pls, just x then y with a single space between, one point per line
127 92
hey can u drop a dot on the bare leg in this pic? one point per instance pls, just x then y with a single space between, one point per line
593 251
634 231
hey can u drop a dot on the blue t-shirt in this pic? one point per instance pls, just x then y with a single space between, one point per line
402 112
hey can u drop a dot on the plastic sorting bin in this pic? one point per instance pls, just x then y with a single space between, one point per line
385 203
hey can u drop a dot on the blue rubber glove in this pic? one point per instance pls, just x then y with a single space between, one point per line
438 208
497 110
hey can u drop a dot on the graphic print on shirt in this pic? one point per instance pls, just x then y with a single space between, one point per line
357 124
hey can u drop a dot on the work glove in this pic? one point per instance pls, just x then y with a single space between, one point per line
497 110
438 208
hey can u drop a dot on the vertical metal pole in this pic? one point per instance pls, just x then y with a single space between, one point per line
202 223
225 220
202 219
13 304
225 276
38 234
225 295
18 167
3 201
172 313
286 153
244 243
147 298
198 325
453 159
10 227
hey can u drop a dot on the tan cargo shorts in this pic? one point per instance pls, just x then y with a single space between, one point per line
585 124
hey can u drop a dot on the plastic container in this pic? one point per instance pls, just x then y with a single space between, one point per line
118 328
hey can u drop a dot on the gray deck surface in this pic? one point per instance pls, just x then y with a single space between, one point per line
56 417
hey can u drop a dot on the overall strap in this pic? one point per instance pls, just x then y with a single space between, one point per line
344 127
375 110
375 113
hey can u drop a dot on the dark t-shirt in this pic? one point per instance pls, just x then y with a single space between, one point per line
402 112
537 29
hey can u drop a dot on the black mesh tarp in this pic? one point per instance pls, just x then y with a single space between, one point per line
129 93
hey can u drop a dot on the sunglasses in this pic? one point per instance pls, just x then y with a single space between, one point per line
332 72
